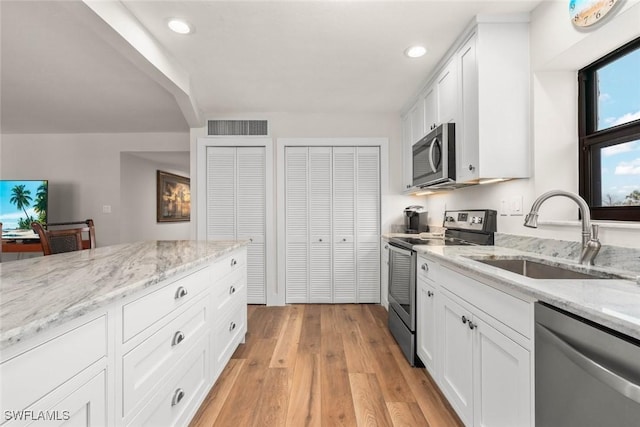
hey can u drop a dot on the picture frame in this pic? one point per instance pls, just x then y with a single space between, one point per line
173 198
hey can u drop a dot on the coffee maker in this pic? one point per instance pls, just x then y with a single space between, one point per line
415 219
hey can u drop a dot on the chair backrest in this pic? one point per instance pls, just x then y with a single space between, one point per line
60 237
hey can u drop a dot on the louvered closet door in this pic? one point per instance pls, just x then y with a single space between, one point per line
368 224
344 259
320 269
221 193
296 225
251 217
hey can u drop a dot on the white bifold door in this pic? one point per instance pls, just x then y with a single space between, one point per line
332 224
236 207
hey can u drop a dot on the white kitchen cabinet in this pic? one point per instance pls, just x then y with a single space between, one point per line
446 86
476 342
430 106
407 153
494 99
427 327
236 206
332 200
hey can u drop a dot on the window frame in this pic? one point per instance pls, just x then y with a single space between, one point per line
590 139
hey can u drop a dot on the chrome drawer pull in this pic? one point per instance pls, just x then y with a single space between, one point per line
425 267
178 337
181 292
472 325
177 397
233 262
232 326
429 294
464 319
232 290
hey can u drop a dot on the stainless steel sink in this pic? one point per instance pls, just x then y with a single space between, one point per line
539 270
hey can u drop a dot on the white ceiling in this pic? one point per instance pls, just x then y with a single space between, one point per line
59 75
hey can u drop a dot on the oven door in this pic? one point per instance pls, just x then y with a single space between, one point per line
402 284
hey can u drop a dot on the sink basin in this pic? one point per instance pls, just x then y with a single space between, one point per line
539 270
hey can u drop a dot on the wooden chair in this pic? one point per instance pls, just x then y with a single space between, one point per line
67 239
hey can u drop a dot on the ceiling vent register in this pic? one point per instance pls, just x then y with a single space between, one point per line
238 127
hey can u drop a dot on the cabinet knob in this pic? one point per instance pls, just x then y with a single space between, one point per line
233 262
251 239
464 319
344 239
232 290
319 240
408 186
181 292
425 267
178 337
471 167
429 294
232 326
177 397
472 325
387 247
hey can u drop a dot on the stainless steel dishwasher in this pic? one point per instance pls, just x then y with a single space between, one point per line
586 375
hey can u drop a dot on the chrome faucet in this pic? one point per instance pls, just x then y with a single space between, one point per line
590 243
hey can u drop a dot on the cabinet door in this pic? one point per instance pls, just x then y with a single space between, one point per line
221 193
296 225
467 137
320 274
426 327
251 217
502 379
384 274
447 88
367 250
344 224
457 358
430 107
417 123
407 154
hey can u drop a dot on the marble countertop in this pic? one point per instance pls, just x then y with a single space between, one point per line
614 303
40 293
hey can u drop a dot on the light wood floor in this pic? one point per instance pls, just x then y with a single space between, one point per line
322 365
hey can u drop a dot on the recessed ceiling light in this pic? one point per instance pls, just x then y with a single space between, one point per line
415 51
179 26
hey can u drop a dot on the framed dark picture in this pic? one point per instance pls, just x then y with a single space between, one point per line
174 198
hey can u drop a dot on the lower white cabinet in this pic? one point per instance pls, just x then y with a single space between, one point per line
384 274
149 359
482 365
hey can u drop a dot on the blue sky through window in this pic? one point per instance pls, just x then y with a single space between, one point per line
619 103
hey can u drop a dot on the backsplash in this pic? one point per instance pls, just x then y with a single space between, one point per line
609 256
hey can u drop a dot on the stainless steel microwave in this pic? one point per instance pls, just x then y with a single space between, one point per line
434 157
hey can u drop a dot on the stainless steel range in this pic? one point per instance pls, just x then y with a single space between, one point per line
472 227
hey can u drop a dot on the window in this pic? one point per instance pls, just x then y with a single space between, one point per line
609 131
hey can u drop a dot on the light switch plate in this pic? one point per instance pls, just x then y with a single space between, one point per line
516 205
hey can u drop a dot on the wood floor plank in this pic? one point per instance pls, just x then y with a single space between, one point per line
305 397
406 414
218 395
370 407
322 366
285 353
337 399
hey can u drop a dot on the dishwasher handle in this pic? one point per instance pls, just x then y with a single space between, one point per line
620 384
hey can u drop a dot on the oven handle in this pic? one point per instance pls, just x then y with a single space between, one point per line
431 148
602 373
403 251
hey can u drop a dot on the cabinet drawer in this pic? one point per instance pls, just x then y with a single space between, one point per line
233 262
428 270
148 309
26 379
177 398
509 310
227 334
229 290
144 367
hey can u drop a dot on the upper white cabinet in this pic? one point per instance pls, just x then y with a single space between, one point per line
494 99
483 86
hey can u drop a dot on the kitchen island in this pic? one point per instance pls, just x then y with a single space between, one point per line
120 335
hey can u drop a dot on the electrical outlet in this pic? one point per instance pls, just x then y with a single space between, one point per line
106 209
504 210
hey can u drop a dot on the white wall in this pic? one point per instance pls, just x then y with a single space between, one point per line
138 177
83 171
301 125
558 50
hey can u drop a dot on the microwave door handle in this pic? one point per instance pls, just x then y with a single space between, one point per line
433 145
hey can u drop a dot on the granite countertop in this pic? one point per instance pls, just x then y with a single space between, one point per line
40 293
614 303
